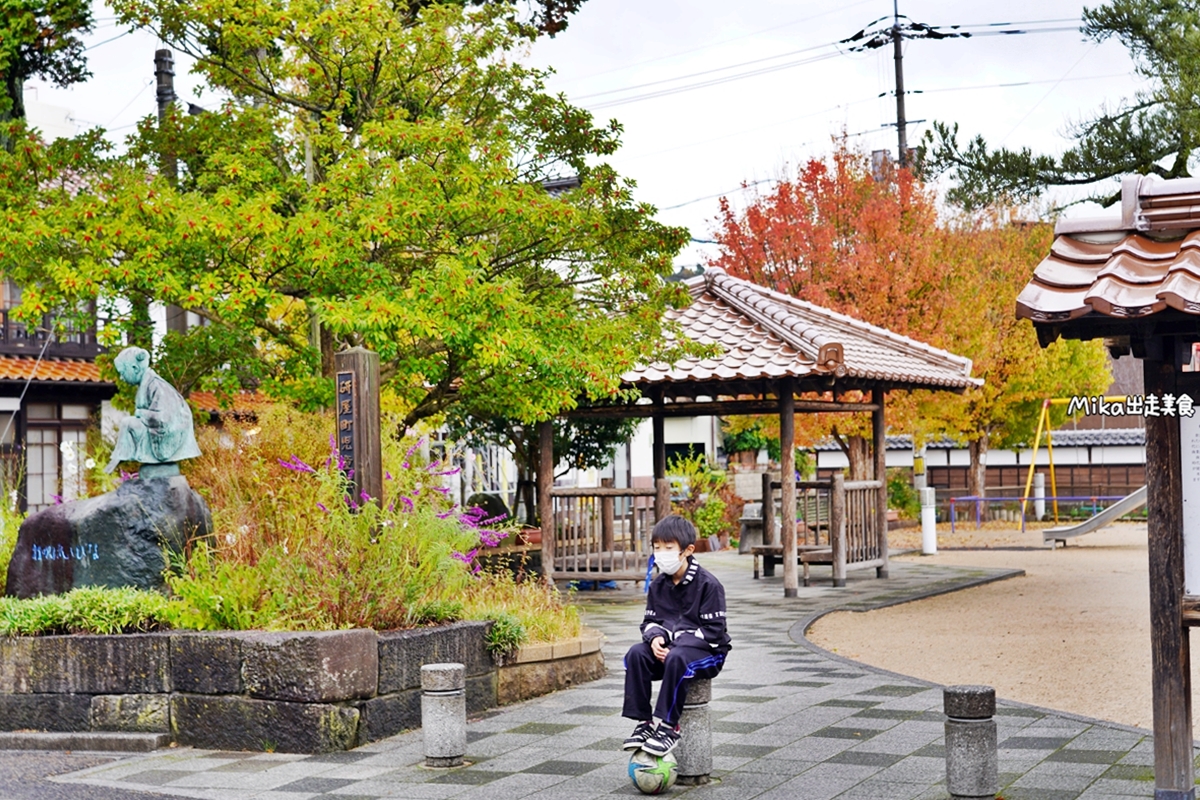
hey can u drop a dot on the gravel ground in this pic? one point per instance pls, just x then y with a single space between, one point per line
1074 634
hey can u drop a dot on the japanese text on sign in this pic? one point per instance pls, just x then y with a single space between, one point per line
345 419
84 552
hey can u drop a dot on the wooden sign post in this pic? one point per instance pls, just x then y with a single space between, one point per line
357 373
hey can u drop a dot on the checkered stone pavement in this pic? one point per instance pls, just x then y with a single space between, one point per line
789 721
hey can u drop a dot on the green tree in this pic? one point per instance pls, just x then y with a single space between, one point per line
40 38
380 179
1153 132
578 444
548 16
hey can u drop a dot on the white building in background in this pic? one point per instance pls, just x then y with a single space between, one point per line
55 122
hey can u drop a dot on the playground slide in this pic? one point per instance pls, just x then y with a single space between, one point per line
1126 505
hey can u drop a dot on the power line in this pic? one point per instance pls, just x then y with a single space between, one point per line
871 38
1018 84
656 59
719 194
862 40
146 85
704 72
713 82
106 41
841 106
1049 92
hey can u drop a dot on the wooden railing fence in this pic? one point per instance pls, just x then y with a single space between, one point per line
602 533
836 513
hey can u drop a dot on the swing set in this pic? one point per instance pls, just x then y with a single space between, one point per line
1044 426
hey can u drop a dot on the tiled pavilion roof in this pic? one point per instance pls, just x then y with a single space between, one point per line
236 403
765 335
1102 275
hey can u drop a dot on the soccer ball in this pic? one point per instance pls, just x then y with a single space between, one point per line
652 774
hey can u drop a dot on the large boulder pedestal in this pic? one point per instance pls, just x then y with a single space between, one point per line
120 538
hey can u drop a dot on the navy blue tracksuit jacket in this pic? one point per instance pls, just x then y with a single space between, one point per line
690 617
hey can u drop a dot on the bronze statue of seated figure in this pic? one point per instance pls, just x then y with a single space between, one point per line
159 434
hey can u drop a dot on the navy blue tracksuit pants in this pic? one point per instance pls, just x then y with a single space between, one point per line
683 663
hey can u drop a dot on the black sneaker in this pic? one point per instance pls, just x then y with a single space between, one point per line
638 737
662 741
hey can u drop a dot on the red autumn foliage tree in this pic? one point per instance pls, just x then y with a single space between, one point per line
875 250
836 237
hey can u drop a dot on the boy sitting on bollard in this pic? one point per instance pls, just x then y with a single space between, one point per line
683 637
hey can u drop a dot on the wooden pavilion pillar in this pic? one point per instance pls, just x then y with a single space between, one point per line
787 477
659 442
879 446
545 501
1170 661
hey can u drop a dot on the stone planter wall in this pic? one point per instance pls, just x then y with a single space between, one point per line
543 668
289 692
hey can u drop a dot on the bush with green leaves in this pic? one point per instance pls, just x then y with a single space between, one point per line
88 610
902 497
697 484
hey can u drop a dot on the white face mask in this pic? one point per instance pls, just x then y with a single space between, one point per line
667 561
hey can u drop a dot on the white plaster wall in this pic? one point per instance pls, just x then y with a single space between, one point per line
641 450
110 420
688 430
55 122
1001 458
832 459
676 430
1124 454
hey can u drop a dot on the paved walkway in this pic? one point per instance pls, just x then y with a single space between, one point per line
790 721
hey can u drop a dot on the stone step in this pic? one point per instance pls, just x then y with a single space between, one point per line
86 741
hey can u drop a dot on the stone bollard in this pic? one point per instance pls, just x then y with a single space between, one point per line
694 751
971 760
444 714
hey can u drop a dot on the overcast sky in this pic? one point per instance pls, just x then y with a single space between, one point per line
684 148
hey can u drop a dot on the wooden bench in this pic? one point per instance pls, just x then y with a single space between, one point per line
772 554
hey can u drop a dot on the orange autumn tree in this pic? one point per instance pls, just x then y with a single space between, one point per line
992 256
836 237
875 250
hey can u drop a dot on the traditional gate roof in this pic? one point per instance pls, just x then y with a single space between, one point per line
765 336
66 370
1105 276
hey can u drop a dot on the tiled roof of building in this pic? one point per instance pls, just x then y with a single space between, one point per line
235 403
1145 262
1095 437
767 335
22 368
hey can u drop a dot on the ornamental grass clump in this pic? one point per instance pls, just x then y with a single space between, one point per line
294 550
10 523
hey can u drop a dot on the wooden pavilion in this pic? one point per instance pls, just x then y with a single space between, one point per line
773 348
1135 282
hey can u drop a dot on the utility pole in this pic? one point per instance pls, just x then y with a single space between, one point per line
898 51
872 38
164 76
